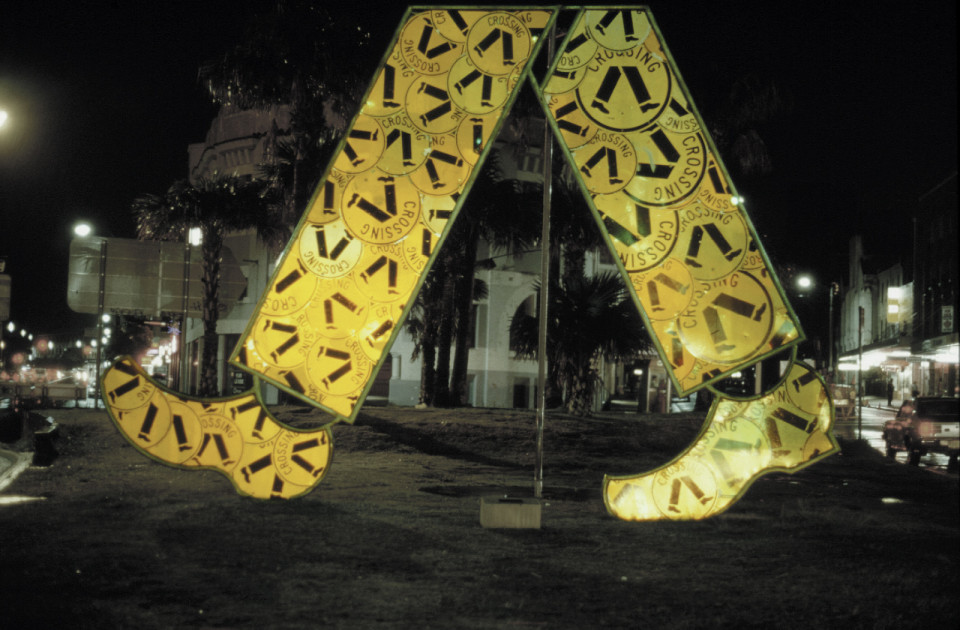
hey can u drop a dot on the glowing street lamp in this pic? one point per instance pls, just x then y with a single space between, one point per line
82 229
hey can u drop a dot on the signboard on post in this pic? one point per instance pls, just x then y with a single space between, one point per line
145 278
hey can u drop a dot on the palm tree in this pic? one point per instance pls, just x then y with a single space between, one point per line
589 317
216 205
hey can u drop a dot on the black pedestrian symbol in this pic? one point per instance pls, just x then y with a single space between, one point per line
248 406
342 300
773 435
344 369
300 461
506 37
390 195
293 382
424 44
804 380
432 167
389 86
256 466
666 148
382 330
127 387
445 107
180 431
611 79
334 253
406 150
426 243
567 125
486 88
619 232
627 19
575 43
378 264
221 448
277 490
477 135
148 421
687 481
358 134
292 340
459 21
290 279
718 186
676 353
807 426
711 230
443 215
734 446
734 305
610 155
666 281
328 198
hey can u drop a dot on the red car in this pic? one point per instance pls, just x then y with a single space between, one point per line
932 426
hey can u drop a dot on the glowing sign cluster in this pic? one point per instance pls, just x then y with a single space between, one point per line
359 253
237 436
782 431
660 192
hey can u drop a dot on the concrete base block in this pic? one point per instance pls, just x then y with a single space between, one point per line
509 512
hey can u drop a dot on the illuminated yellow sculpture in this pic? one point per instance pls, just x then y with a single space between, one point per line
660 195
782 431
236 436
655 185
360 253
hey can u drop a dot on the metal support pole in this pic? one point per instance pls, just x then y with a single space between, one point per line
544 291
103 282
831 367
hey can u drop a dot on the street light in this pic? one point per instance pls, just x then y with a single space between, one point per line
82 229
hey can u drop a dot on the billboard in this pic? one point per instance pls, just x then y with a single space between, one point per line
144 278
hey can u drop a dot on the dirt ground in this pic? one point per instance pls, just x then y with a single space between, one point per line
391 537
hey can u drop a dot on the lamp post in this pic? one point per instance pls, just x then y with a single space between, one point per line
82 229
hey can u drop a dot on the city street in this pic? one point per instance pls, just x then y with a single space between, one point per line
872 432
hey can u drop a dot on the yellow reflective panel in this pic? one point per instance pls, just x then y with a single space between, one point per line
783 431
663 200
236 436
337 298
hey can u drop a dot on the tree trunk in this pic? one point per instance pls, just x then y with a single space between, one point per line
211 249
464 308
428 355
445 339
580 391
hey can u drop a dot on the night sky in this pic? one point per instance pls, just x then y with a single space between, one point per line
103 100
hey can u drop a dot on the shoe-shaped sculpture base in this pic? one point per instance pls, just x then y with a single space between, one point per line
782 431
236 436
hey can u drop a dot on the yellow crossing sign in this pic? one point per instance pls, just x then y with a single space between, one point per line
395 186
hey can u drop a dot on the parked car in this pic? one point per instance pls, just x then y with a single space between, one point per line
930 425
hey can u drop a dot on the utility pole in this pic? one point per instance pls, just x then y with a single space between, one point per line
859 392
544 292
